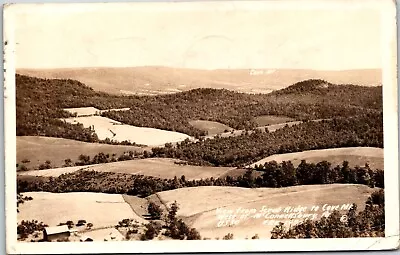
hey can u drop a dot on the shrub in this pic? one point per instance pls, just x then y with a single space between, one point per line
152 230
46 165
80 223
154 210
89 225
25 228
255 237
228 236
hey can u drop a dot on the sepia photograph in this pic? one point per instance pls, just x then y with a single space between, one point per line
201 126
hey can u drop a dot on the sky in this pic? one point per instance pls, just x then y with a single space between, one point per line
201 38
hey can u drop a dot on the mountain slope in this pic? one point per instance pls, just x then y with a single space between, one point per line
40 103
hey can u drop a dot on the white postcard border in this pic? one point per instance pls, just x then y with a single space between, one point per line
390 105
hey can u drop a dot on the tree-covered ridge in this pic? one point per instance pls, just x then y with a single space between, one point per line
362 130
344 94
40 103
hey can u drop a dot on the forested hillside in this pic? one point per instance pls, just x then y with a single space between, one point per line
40 103
362 130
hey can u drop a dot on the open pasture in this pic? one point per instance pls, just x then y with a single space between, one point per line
354 155
266 120
38 149
211 127
203 207
156 167
117 131
103 210
270 128
88 111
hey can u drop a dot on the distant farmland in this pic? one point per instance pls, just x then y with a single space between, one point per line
114 130
211 127
355 155
157 167
156 80
266 120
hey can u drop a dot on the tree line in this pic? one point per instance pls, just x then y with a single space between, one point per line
369 222
271 174
361 130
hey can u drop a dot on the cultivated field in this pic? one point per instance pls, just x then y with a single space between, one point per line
198 205
114 130
271 128
85 111
157 167
267 120
82 111
38 149
354 155
153 80
103 210
211 127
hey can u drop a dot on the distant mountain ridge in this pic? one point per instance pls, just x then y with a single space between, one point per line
155 80
40 103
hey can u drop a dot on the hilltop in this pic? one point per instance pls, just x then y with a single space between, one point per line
154 80
40 104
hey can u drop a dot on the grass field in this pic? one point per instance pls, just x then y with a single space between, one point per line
85 111
82 111
198 205
157 167
266 120
271 128
211 127
38 149
103 210
114 130
355 155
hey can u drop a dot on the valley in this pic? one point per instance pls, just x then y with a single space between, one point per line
157 80
213 149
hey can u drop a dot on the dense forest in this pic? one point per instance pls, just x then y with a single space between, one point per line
38 108
369 222
361 130
271 174
40 103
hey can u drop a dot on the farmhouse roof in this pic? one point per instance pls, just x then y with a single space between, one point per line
56 230
85 238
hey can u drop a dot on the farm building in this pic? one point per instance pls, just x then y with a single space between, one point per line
86 239
56 233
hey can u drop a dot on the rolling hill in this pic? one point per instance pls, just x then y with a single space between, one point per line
35 150
153 80
40 104
356 156
156 167
51 208
204 207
